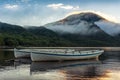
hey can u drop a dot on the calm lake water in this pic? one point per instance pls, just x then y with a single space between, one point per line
106 68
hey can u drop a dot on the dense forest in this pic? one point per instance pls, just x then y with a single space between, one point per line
14 35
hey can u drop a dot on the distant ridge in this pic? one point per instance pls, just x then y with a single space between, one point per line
77 30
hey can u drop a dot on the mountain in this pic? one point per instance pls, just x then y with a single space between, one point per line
82 23
9 28
87 27
14 35
42 31
85 23
83 29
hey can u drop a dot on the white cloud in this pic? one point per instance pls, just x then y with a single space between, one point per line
55 6
62 6
9 6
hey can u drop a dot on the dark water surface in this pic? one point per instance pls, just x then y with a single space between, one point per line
106 68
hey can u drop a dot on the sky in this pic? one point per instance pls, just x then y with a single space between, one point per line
40 12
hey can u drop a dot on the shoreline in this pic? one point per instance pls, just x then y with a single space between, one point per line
80 48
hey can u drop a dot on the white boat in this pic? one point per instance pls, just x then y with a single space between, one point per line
61 55
21 53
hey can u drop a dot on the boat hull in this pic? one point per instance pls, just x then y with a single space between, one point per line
21 54
60 57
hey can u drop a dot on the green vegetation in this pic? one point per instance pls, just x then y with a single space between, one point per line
13 35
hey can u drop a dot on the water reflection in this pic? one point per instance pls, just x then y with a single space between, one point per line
6 55
70 70
46 66
107 68
80 70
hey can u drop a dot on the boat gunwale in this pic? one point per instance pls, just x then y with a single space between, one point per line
66 54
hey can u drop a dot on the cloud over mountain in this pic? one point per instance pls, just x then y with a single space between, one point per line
84 23
109 27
